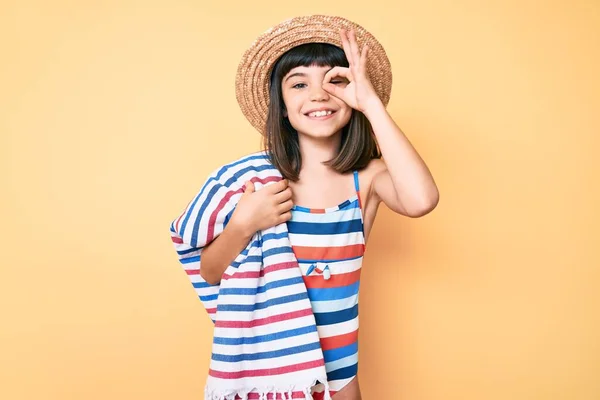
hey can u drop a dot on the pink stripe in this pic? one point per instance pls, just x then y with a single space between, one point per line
262 272
177 239
194 271
225 199
213 217
280 266
242 275
267 371
263 321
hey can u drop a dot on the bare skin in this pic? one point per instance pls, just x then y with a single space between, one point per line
349 392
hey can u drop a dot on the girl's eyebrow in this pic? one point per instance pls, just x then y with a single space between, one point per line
303 74
295 74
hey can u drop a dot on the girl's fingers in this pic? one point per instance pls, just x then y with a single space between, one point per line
335 72
285 206
346 46
363 58
354 47
354 55
283 196
334 90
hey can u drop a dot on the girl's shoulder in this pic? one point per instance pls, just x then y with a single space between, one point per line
373 168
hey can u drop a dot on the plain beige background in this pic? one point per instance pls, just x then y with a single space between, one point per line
112 113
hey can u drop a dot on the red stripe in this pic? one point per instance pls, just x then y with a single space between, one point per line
263 271
329 253
213 217
263 321
280 266
337 280
242 275
267 371
177 239
338 341
192 271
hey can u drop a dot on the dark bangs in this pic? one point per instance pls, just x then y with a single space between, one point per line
358 145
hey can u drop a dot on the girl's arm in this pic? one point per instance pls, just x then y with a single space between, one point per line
404 184
220 253
255 211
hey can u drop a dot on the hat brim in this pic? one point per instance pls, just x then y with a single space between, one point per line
254 70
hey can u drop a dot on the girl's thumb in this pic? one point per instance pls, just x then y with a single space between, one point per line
249 187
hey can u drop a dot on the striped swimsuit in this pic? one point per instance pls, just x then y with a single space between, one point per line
329 245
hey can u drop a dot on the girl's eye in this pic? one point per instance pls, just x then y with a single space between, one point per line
335 82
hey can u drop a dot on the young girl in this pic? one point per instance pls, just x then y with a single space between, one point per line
325 128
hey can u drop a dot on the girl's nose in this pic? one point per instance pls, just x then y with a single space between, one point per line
318 93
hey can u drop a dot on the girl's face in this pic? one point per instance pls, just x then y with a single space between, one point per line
303 94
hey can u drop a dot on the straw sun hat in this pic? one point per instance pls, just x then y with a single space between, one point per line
254 70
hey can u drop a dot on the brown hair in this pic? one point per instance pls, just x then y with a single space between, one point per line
358 145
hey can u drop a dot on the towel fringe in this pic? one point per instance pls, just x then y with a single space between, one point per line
228 394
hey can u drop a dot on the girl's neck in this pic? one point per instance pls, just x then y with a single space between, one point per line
314 151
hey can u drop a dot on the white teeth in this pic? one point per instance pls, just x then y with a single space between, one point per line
320 113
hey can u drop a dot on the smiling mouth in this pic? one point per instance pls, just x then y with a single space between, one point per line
320 115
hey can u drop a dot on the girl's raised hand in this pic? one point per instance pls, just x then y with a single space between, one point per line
263 209
359 92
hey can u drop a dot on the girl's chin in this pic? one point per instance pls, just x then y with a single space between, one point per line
317 133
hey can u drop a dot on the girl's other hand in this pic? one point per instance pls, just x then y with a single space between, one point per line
264 209
359 92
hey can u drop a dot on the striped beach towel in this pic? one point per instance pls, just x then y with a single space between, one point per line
265 337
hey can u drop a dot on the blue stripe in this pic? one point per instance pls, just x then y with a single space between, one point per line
343 373
203 285
187 251
335 317
324 228
277 250
344 204
209 297
261 289
250 259
265 338
274 236
189 260
340 352
326 260
333 293
266 354
263 305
